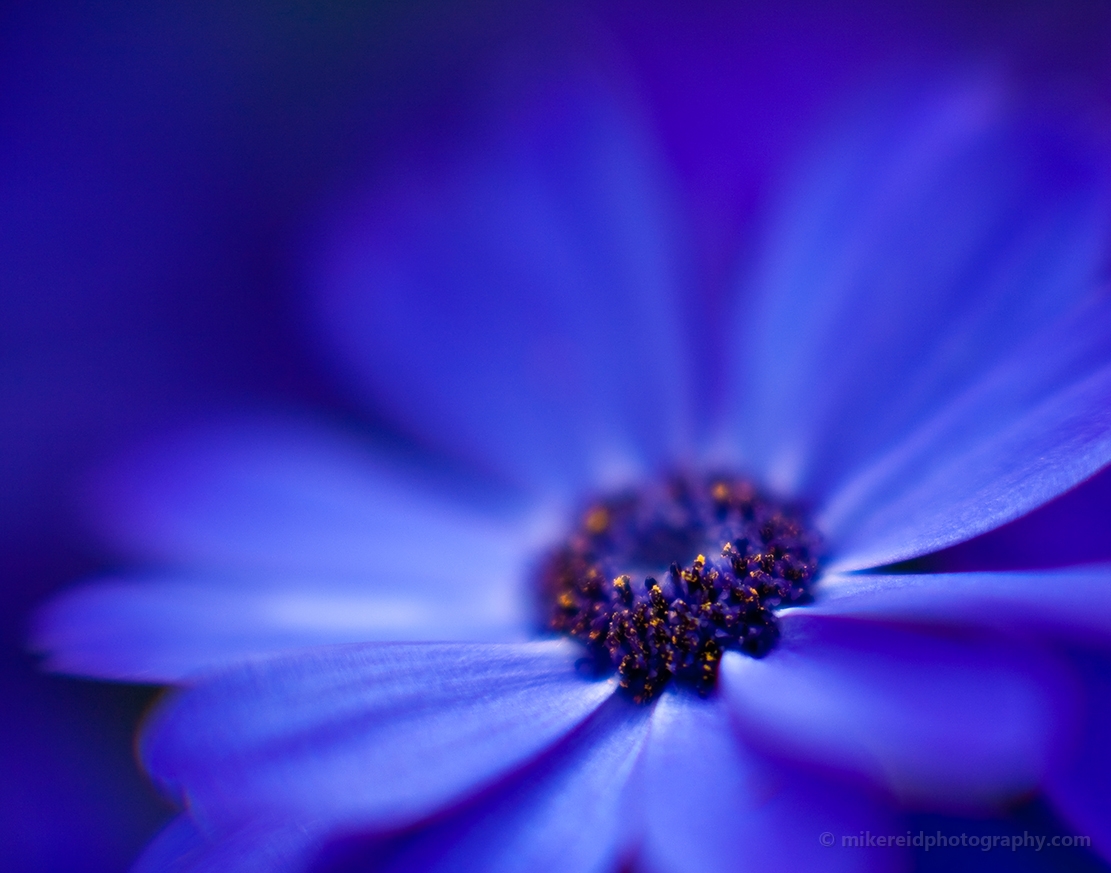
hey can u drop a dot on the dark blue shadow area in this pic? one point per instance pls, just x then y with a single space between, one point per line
71 797
1028 822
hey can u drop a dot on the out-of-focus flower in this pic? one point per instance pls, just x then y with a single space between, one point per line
923 354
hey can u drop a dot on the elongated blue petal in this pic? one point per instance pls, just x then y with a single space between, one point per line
918 275
369 736
518 304
1069 605
252 846
276 535
570 812
957 719
1031 430
709 803
166 629
286 495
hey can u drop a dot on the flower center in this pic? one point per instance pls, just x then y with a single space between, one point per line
658 582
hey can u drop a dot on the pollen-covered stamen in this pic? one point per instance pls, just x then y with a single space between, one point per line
659 582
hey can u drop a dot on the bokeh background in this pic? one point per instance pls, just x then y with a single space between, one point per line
162 169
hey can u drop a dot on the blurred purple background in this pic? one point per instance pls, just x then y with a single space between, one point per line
160 170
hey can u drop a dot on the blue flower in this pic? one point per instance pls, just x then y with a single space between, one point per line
922 354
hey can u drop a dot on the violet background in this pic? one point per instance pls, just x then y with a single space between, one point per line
160 169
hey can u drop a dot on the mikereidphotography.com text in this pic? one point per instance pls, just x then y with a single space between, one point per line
939 840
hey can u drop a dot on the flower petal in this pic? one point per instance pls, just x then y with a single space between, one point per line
369 736
1071 604
285 495
918 263
1020 438
166 629
256 846
962 720
517 306
710 804
282 535
567 812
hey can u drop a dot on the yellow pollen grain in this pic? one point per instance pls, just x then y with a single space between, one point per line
720 492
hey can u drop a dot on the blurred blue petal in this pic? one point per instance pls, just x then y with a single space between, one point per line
253 846
1066 605
272 532
519 305
914 269
282 495
165 629
369 736
732 811
943 717
568 812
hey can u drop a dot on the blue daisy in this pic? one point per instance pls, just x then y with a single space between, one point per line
627 622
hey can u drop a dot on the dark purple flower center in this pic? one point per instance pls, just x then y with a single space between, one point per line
658 582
